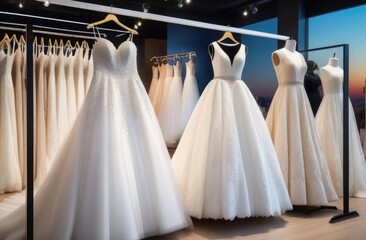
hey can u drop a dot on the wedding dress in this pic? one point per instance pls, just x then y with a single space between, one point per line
225 162
112 179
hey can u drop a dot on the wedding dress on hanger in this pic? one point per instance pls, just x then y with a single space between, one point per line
225 162
112 178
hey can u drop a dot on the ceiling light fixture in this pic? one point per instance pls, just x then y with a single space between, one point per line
180 3
245 13
188 1
46 3
145 7
139 23
21 4
136 27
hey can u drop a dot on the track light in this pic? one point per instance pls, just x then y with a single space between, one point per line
21 5
180 3
245 13
188 1
254 9
136 27
145 7
139 23
46 3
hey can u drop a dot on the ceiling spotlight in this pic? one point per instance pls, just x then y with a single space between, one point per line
21 5
180 3
139 23
46 3
188 1
245 13
254 9
145 7
136 27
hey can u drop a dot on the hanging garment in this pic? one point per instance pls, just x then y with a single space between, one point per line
79 78
24 98
190 94
169 114
154 82
225 163
41 160
19 108
329 122
159 89
51 115
291 123
70 85
10 178
112 178
89 75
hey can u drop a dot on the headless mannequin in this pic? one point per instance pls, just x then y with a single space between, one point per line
331 67
231 49
290 45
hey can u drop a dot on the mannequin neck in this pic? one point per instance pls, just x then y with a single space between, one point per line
291 45
333 62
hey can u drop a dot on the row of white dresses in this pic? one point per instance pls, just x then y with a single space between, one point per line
173 101
62 76
12 117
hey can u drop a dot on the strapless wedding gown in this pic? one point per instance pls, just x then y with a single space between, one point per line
225 162
112 179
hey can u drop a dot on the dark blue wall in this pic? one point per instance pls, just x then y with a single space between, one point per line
186 39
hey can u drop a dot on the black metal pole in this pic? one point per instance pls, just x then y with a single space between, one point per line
29 194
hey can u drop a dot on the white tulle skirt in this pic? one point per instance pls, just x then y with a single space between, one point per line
225 163
169 115
113 178
291 123
190 97
329 122
154 83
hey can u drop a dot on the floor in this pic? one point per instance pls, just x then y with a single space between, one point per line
293 225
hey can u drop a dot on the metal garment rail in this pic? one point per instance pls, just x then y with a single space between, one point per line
346 212
161 18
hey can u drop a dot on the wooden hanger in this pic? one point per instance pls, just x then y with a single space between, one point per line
228 35
5 39
112 17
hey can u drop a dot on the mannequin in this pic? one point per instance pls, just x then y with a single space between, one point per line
290 121
329 122
289 45
312 85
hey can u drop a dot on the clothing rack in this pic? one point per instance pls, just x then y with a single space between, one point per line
346 212
186 54
162 18
60 31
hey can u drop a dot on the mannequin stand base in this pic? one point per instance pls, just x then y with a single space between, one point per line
344 216
310 209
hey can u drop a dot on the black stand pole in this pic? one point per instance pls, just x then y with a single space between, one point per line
29 194
346 213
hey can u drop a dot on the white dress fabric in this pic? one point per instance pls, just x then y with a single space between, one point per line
291 123
112 178
225 163
61 93
10 178
51 116
329 122
169 115
70 84
19 88
79 78
158 95
190 94
41 160
89 75
154 82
